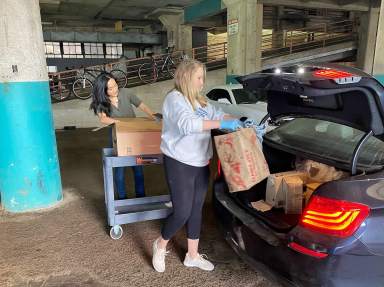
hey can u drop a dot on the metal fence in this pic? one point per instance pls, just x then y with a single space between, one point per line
214 56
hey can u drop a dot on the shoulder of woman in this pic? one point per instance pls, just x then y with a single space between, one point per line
174 95
124 91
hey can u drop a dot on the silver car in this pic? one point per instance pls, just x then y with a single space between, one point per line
234 100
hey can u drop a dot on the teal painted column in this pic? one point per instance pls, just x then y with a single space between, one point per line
29 166
202 9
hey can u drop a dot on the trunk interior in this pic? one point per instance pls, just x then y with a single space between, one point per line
276 218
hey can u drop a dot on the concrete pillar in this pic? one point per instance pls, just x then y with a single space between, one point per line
367 39
378 62
179 35
29 166
118 26
245 28
278 34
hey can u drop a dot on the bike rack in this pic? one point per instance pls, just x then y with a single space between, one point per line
130 210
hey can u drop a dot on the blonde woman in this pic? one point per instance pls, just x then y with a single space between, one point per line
187 148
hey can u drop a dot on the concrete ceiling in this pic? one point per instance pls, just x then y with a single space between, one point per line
104 13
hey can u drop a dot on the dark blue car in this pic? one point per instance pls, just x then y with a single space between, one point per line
335 117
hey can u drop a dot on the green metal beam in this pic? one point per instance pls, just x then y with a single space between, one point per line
204 8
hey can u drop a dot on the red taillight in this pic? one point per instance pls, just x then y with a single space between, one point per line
332 74
334 217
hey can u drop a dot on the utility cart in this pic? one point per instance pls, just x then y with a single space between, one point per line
130 210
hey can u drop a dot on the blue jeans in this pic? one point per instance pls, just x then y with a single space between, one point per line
119 178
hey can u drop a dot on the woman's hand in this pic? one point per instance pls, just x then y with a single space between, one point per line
232 125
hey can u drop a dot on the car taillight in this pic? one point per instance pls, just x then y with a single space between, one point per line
331 74
334 217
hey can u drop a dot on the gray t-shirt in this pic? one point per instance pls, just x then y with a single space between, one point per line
126 100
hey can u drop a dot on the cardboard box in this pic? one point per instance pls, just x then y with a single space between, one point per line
274 195
136 136
242 159
293 190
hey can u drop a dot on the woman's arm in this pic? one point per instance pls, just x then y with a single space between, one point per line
228 124
229 117
210 125
147 110
106 120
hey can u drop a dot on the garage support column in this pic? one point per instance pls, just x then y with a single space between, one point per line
367 39
29 166
278 35
245 28
178 34
378 62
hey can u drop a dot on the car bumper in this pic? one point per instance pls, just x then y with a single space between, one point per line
268 252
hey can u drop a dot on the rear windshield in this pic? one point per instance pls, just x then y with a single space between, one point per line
246 97
328 140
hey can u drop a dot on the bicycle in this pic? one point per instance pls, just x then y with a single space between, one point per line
60 85
83 85
149 72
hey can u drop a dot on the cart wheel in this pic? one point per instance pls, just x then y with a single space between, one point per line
116 232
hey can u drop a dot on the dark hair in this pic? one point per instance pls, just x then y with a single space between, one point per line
100 100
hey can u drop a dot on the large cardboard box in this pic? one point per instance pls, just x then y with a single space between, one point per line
275 195
136 136
242 159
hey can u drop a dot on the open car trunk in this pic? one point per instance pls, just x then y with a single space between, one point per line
277 218
338 120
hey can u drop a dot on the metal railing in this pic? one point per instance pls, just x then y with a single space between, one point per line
215 56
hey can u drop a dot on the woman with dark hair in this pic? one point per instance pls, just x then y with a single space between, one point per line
109 104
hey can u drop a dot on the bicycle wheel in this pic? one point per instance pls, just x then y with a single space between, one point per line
121 77
82 88
148 73
171 68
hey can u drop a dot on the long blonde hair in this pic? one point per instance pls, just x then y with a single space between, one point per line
183 81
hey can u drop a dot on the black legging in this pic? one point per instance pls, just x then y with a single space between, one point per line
188 186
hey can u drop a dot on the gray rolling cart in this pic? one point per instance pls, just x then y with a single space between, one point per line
130 210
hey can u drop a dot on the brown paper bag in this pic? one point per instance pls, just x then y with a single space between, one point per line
293 190
242 159
274 194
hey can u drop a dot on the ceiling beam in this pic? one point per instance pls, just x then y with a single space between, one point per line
102 37
357 5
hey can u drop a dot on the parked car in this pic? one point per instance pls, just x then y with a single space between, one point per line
338 240
235 100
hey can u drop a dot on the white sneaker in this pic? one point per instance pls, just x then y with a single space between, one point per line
168 204
199 262
158 257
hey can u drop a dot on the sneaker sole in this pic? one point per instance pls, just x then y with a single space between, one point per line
198 267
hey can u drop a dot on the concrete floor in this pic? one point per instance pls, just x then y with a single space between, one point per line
67 245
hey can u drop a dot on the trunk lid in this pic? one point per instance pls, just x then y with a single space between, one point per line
330 92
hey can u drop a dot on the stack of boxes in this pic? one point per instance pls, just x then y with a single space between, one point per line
288 189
